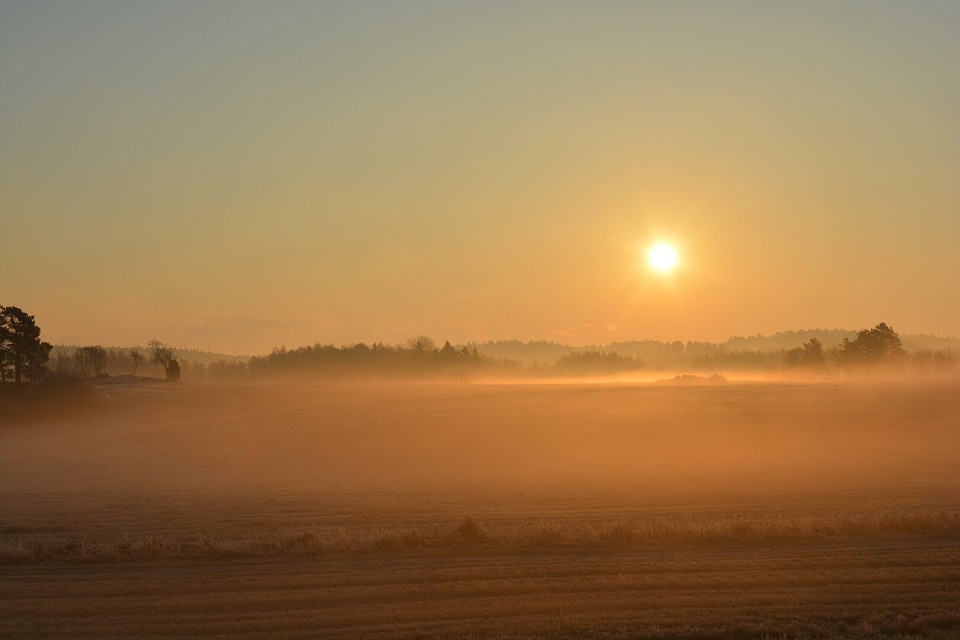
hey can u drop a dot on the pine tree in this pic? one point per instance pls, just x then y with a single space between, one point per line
22 353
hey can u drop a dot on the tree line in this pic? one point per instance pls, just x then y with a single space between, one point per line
420 356
25 357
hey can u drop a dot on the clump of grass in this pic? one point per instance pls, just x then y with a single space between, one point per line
471 532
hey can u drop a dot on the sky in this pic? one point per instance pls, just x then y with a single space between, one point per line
236 176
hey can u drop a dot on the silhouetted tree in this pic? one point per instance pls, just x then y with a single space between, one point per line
810 355
22 353
447 352
136 359
89 362
61 359
96 360
173 371
419 356
872 346
162 355
422 344
81 363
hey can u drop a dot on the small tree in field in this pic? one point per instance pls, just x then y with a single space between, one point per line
61 359
872 347
173 371
136 359
162 355
97 357
81 362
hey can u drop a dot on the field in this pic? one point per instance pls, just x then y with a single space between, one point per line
739 510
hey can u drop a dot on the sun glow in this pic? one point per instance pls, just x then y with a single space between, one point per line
663 257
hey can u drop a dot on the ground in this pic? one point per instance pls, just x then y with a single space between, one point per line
742 510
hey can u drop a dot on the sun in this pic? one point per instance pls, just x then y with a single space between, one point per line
663 257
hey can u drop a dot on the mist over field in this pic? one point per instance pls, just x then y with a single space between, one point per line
483 495
387 436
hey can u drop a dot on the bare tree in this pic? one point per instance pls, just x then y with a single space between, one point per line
90 361
61 358
162 355
97 357
81 362
136 359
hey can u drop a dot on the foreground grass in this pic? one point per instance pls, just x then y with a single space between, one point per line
26 544
863 590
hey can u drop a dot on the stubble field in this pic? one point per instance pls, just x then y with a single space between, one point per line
738 510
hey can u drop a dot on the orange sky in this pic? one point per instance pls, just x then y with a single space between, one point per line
237 175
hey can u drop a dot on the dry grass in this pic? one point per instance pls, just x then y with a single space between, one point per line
686 531
898 589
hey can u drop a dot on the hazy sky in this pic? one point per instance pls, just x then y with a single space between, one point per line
240 175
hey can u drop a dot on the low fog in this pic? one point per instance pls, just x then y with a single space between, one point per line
678 436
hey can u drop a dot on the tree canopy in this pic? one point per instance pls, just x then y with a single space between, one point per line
163 355
810 355
872 346
23 356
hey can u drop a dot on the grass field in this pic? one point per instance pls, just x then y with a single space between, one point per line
743 510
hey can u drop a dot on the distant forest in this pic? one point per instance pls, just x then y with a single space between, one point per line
24 356
780 354
692 355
